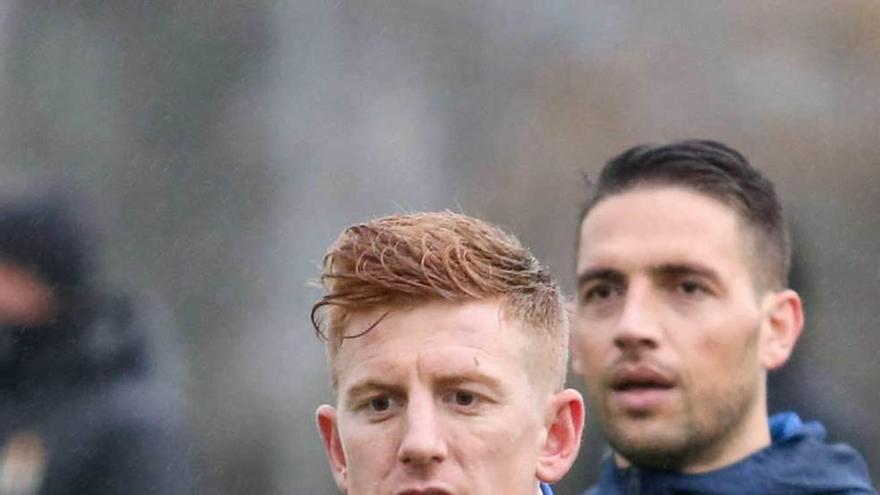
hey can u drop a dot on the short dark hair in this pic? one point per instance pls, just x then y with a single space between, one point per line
718 171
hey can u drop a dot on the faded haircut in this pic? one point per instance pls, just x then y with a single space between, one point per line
719 172
410 259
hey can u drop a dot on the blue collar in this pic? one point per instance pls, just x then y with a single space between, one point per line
545 489
798 461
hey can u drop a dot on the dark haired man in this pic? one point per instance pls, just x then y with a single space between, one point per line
682 309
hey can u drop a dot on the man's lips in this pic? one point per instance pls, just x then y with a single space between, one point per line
635 377
424 491
640 387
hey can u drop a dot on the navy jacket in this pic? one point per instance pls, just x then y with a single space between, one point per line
798 461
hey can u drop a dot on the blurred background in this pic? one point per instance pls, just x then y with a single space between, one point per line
226 143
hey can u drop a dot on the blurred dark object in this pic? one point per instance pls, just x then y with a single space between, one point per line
46 231
81 407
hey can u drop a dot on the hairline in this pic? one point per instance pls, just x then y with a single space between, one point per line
753 236
532 331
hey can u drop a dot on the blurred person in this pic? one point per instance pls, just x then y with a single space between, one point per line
682 309
447 344
80 409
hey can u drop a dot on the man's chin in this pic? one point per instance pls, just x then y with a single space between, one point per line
640 427
648 444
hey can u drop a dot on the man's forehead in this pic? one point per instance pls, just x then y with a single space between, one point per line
649 227
665 198
452 365
661 210
425 322
438 339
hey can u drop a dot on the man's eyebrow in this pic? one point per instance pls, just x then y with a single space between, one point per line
364 387
605 274
680 269
462 378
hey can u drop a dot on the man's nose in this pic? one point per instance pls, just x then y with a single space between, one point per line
423 439
639 326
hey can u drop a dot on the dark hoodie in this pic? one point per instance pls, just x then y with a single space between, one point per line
81 408
798 461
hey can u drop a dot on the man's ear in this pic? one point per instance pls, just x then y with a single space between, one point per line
329 430
782 324
565 426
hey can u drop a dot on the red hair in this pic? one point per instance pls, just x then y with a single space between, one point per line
411 259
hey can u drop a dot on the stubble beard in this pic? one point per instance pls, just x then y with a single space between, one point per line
693 437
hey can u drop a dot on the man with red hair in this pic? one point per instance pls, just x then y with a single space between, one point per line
447 343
